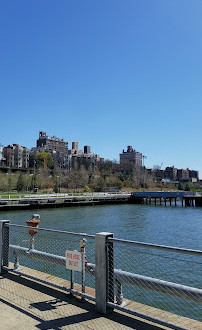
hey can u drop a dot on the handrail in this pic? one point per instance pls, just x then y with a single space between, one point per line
156 246
51 230
170 288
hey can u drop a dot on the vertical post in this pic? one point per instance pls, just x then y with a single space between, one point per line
16 263
83 253
165 201
4 244
170 201
119 295
143 158
175 201
72 279
104 272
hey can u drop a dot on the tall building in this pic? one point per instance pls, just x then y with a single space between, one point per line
194 174
131 155
16 156
75 149
52 144
86 149
170 173
1 154
56 146
182 174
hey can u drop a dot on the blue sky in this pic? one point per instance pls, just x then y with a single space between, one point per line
107 74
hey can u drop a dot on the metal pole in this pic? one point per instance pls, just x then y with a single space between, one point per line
144 157
33 183
82 248
4 245
72 279
104 272
119 295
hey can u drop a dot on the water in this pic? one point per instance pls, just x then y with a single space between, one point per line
174 226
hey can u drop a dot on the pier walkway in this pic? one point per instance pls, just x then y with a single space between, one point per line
30 201
26 304
51 279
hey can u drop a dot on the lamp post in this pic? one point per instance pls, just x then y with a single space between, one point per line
143 158
34 175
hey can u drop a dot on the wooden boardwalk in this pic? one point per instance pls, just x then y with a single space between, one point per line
29 304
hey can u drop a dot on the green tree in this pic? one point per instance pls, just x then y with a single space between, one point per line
56 188
180 186
21 183
86 188
44 159
101 185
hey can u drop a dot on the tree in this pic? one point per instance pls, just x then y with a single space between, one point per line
21 183
101 185
44 159
86 188
56 188
180 186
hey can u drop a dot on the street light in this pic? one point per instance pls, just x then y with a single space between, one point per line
143 158
34 175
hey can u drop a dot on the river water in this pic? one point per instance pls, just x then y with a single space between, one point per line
174 226
170 225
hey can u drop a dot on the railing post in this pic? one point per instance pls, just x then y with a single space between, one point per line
104 272
4 245
16 262
119 295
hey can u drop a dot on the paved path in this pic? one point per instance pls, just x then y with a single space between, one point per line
26 304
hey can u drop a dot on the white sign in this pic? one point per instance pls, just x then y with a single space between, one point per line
73 260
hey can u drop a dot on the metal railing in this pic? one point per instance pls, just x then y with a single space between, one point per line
136 277
42 257
158 277
17 196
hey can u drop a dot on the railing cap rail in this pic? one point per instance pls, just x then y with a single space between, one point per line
52 230
156 246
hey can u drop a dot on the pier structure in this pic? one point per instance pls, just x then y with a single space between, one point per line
29 201
167 198
36 277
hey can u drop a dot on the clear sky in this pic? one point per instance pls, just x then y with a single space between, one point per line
105 73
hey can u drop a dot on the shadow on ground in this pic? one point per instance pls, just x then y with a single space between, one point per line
84 311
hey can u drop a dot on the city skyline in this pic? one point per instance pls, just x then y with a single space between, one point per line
130 154
107 74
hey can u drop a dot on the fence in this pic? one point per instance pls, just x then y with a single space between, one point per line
134 277
149 274
17 196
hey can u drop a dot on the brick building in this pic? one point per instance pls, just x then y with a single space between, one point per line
170 173
52 143
16 156
131 155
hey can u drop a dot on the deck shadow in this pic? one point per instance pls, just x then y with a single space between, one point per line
60 298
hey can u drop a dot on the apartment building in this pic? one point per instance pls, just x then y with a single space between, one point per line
131 155
170 173
52 144
16 156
